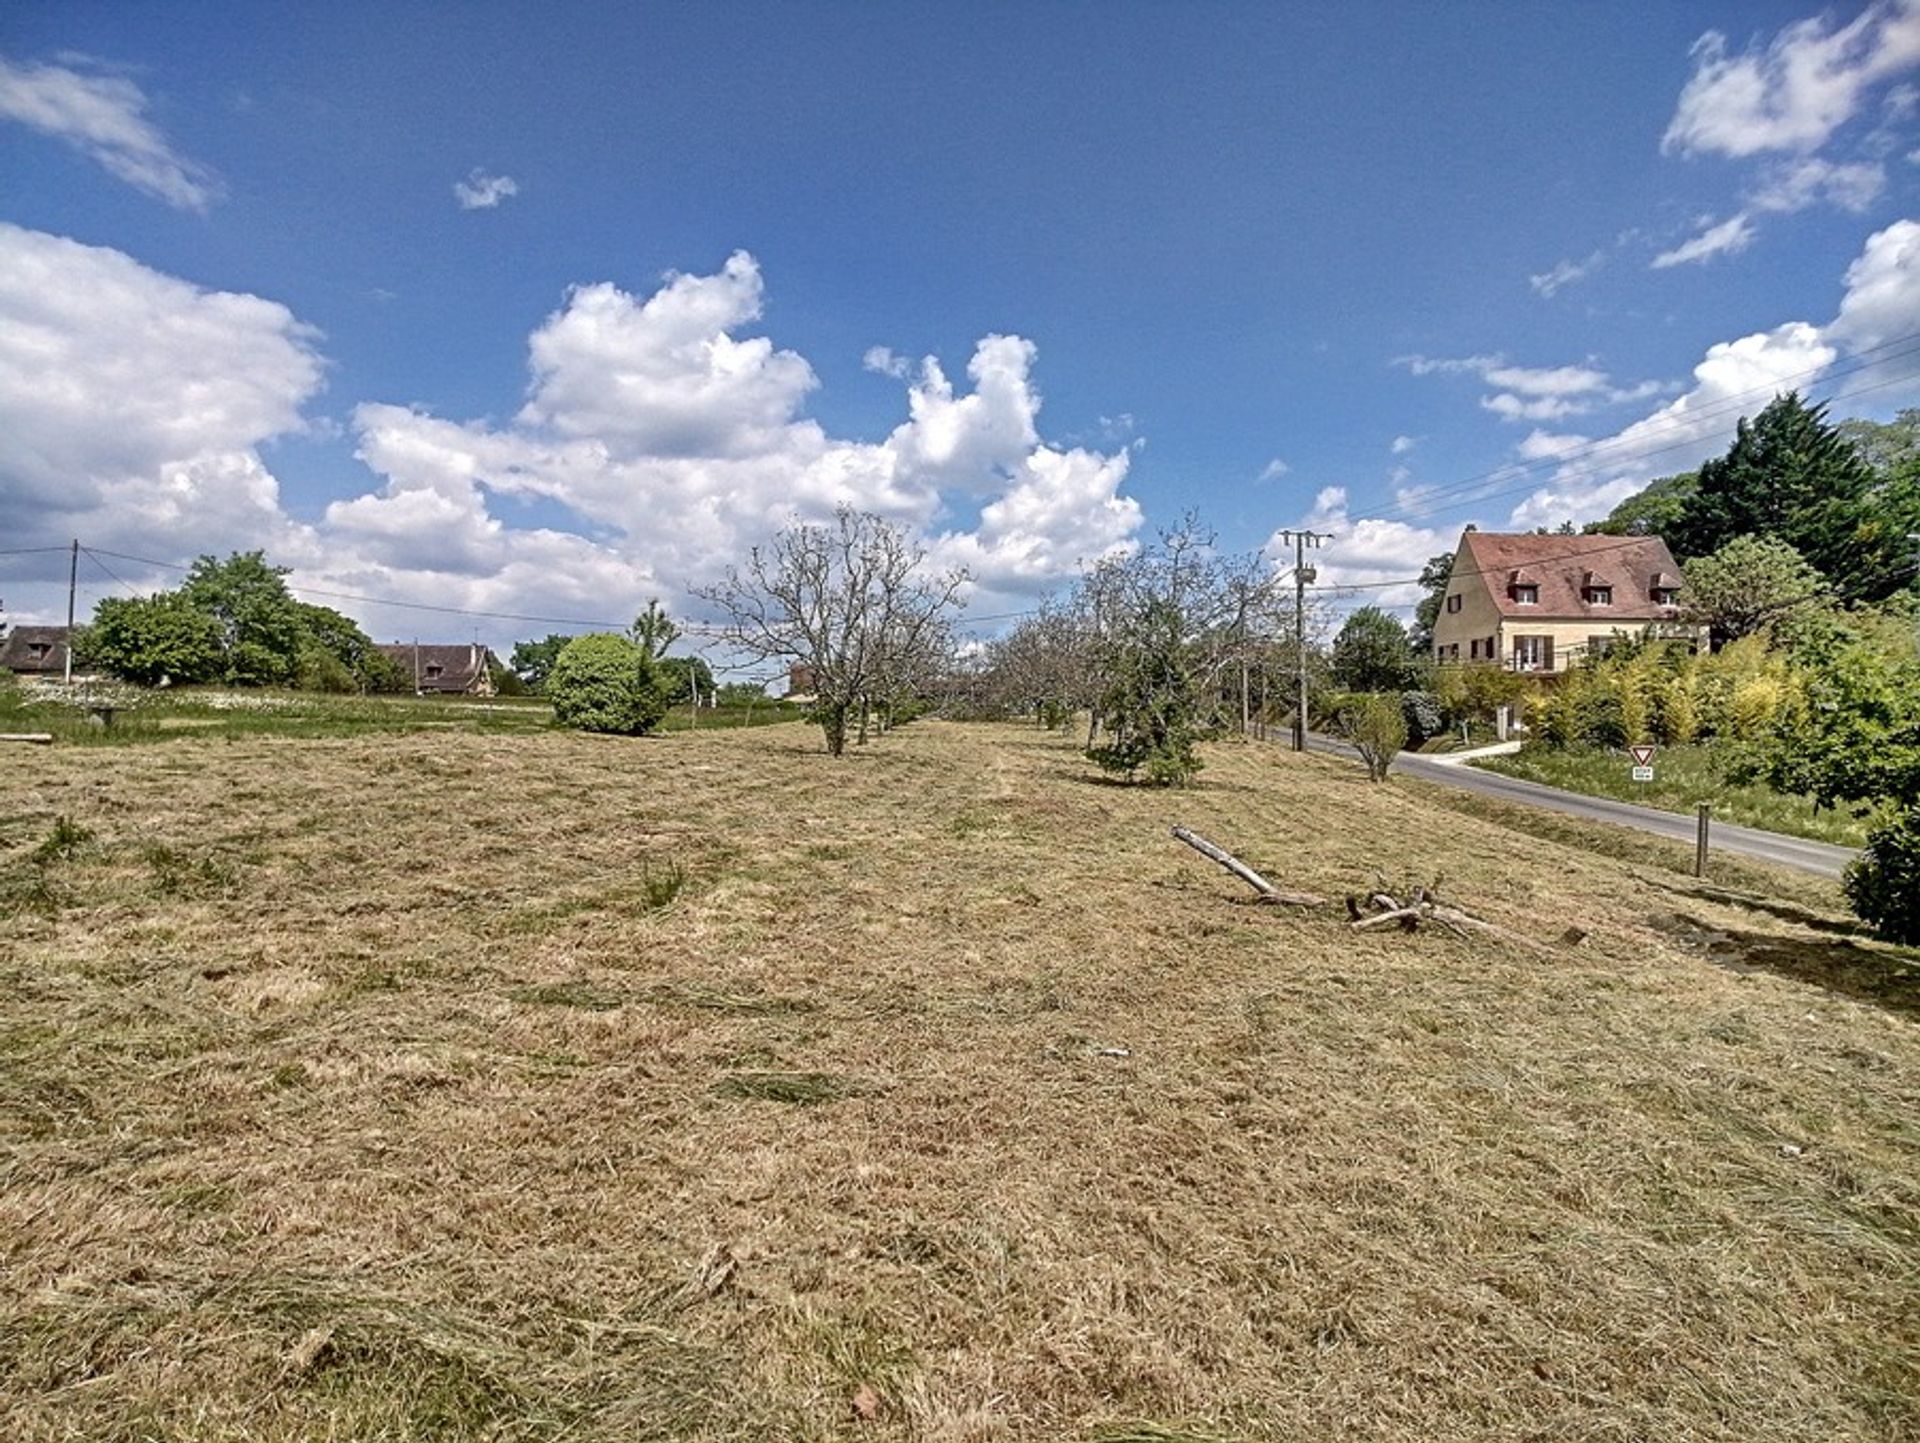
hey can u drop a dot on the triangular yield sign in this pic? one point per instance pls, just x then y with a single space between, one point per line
1642 756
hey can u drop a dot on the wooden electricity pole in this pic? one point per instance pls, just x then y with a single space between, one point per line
1303 576
73 585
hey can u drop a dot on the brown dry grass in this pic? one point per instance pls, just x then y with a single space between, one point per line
361 1090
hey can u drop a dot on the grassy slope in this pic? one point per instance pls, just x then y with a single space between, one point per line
1683 778
356 1090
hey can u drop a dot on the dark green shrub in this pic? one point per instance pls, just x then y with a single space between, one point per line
1422 713
1884 885
605 683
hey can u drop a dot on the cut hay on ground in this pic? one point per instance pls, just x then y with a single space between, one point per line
372 1089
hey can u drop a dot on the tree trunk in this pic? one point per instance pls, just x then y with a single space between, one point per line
833 721
865 714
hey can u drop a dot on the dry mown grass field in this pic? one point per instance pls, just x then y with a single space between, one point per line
378 1089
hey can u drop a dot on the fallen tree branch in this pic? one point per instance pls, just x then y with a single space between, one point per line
1380 908
1268 892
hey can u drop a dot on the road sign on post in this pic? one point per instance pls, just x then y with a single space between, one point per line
1642 763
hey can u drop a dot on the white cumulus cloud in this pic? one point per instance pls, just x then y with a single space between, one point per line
104 116
1793 93
660 441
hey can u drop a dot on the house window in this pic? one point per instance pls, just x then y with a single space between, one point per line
433 671
1453 602
1599 596
1666 595
1599 645
1526 595
1533 653
1476 648
37 650
1493 650
1453 652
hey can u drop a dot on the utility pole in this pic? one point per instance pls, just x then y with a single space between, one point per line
1303 576
73 585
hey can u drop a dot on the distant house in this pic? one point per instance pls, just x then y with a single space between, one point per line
1541 603
800 682
34 650
459 670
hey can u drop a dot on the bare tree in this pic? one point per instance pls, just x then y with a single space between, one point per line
852 602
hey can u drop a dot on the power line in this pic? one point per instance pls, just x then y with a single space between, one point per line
88 553
1603 452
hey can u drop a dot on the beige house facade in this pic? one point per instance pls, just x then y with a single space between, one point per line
1543 603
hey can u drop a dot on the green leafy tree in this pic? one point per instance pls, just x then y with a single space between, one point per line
606 683
1748 585
680 675
1377 727
1371 653
261 626
1435 578
1151 704
1886 446
532 661
1655 510
153 639
1857 741
336 655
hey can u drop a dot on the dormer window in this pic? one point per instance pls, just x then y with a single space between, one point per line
1664 589
434 669
1526 593
1599 595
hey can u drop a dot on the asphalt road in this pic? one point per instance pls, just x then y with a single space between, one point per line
1822 858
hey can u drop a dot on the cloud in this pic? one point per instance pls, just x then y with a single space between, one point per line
883 361
1366 551
1803 183
1794 93
1729 237
1882 290
1546 445
103 116
1402 444
480 191
1535 393
1736 378
663 440
1550 283
194 381
1274 470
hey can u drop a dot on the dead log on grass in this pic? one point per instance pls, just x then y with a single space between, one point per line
1268 892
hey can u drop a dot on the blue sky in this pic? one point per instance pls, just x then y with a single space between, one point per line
389 290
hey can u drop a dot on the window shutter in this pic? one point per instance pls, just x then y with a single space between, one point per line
1546 653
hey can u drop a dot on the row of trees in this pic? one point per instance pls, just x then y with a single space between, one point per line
1158 650
234 622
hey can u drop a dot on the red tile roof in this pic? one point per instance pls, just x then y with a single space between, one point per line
1563 567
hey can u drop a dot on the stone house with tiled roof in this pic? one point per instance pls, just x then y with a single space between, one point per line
1541 603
